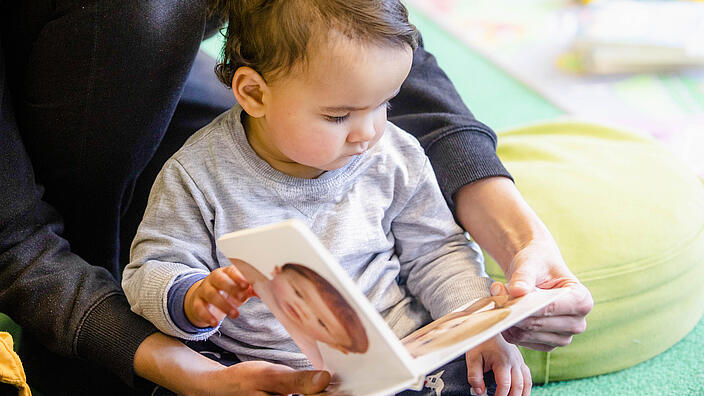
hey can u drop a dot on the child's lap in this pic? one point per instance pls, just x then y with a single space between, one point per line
448 380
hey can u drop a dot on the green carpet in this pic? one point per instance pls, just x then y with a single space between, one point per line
678 371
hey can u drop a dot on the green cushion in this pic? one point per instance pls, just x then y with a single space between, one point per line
629 218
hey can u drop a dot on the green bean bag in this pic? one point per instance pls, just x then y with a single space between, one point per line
628 218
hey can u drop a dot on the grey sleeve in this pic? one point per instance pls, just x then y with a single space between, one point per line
438 264
174 239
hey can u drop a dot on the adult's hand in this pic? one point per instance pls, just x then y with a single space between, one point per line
553 326
263 378
169 363
498 218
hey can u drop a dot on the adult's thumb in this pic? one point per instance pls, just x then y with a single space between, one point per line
278 379
522 281
305 382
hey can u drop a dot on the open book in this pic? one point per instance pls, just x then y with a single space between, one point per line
339 330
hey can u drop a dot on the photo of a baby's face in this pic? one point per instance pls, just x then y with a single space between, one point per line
298 298
457 326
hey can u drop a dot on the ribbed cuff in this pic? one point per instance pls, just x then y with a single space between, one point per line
461 156
110 335
176 303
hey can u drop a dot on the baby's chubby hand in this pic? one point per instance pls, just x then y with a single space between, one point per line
219 294
510 372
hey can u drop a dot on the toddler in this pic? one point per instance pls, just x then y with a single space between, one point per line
309 140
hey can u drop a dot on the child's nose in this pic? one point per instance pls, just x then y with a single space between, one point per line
362 132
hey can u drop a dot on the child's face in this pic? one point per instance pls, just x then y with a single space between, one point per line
297 297
319 118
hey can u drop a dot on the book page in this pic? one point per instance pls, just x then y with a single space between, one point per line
324 312
452 335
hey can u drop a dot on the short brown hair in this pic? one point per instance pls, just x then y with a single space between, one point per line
271 36
359 343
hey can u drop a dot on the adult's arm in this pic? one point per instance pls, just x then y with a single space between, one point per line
168 362
487 204
75 308
506 227
461 149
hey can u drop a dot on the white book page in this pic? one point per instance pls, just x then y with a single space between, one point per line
325 313
448 337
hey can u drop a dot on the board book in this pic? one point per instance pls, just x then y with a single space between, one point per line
336 326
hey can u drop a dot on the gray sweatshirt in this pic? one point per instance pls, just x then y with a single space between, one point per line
382 216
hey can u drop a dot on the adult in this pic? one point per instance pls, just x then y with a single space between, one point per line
93 98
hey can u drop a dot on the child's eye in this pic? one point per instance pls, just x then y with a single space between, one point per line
298 293
320 322
337 120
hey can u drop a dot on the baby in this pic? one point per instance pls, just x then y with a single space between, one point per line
309 140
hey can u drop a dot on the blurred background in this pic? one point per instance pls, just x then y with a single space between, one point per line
637 65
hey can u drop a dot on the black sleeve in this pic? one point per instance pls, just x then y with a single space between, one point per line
461 149
76 309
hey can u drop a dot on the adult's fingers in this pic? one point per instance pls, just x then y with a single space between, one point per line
283 380
502 376
555 324
529 339
475 373
523 278
564 325
527 380
533 346
577 302
516 382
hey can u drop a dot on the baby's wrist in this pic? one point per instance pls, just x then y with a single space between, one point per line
188 305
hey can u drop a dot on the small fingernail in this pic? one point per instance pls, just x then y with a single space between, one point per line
495 289
474 392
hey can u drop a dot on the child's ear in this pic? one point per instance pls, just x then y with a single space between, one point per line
249 88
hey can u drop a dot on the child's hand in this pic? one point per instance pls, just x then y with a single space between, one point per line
209 300
510 372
